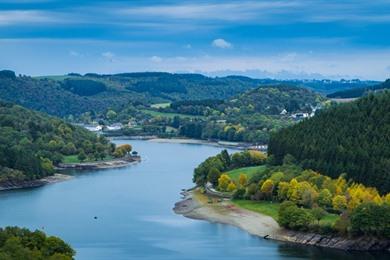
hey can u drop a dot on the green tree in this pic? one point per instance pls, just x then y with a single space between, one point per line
325 198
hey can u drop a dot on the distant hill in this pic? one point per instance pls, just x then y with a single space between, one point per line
359 92
350 138
74 94
32 142
274 99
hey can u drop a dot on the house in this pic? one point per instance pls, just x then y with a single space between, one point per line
284 112
114 127
93 128
299 116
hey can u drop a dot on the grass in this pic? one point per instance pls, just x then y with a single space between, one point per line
329 219
271 209
160 105
70 159
168 115
248 171
263 207
74 159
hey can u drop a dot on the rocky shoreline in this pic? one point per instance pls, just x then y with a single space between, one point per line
196 206
14 185
115 163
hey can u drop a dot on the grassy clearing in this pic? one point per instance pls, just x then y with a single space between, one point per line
160 105
70 159
263 207
74 159
329 219
248 171
168 115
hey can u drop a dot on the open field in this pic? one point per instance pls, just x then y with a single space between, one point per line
168 115
248 171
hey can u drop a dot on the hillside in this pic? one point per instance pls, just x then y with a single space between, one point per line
350 138
248 117
31 143
362 91
75 94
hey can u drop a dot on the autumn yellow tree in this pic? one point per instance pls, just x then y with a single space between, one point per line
243 180
292 193
231 187
267 188
223 182
339 202
283 190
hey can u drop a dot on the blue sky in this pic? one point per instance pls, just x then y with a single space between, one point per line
278 39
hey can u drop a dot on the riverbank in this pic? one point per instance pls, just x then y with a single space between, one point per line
115 163
224 144
12 185
199 206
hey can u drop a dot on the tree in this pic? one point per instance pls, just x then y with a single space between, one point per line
318 213
292 217
339 202
213 176
231 187
82 156
243 180
223 182
371 219
111 115
325 198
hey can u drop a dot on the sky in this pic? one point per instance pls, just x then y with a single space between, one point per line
281 39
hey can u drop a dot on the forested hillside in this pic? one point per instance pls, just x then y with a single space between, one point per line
350 138
248 117
75 94
31 143
362 91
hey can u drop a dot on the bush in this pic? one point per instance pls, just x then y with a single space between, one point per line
292 217
371 219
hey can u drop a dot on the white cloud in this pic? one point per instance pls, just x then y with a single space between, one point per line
23 17
108 55
74 54
156 59
221 43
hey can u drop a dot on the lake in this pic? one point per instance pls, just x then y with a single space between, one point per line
133 206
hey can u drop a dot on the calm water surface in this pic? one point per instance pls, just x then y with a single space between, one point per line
135 217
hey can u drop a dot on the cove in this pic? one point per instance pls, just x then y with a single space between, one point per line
133 206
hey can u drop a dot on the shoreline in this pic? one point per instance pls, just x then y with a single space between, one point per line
195 205
114 163
57 177
176 140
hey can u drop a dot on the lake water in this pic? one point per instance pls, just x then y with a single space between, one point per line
133 206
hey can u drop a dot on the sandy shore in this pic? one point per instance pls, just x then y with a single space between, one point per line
197 141
196 206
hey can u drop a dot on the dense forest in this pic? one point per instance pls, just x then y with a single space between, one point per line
351 138
362 91
21 243
31 143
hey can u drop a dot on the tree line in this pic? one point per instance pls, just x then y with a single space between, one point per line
351 138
